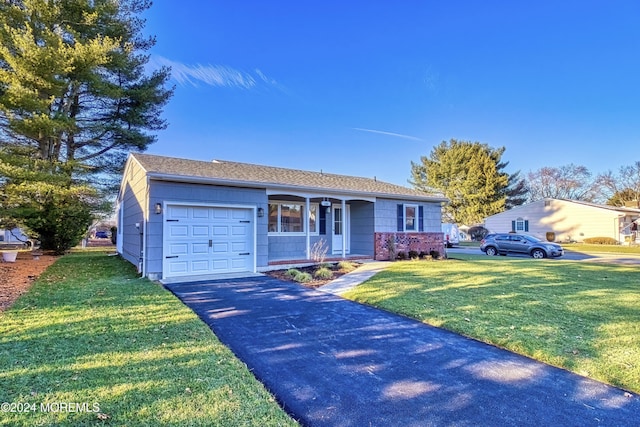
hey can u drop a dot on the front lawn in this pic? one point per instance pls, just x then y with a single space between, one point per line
92 344
580 316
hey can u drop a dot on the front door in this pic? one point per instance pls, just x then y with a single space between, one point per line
340 228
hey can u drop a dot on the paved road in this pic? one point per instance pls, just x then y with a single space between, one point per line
334 362
628 259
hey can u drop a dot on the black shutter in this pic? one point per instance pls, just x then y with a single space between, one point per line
513 226
400 218
526 225
323 220
420 218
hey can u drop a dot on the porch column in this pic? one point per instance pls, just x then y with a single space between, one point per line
308 216
344 228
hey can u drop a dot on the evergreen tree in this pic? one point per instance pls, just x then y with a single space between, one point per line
75 99
472 176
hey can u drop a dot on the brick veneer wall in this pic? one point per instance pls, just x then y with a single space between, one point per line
405 242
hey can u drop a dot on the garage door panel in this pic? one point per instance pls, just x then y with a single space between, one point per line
220 213
221 230
200 213
178 267
200 231
201 266
176 212
221 264
239 246
220 248
240 214
238 262
239 230
178 231
200 248
179 249
208 240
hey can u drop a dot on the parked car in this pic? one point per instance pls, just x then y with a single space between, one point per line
451 234
504 243
102 235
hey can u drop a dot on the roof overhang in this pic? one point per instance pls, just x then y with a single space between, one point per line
275 188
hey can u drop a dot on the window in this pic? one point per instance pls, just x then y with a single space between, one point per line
287 217
410 217
520 224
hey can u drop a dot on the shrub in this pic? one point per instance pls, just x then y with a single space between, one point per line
303 277
319 251
323 273
423 254
391 245
601 240
292 272
478 233
434 254
402 255
346 266
413 254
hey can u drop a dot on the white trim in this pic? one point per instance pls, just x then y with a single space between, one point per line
416 218
305 220
254 215
319 195
345 218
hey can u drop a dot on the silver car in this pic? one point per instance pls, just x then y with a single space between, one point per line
504 243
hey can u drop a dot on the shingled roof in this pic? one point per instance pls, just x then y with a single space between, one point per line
245 174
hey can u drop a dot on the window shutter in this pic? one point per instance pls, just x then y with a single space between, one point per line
323 220
526 225
420 218
513 226
400 217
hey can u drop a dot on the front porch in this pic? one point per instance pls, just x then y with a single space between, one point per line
305 227
283 264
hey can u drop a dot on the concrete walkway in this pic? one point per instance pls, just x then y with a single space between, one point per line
354 278
333 362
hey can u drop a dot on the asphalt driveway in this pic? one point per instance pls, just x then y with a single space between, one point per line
333 362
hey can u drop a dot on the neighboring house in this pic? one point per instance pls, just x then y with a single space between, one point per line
179 217
13 236
569 220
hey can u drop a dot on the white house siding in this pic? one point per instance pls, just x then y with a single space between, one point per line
568 220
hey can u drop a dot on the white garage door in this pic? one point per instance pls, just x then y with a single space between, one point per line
207 240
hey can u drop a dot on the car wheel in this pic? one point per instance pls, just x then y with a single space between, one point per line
537 253
491 251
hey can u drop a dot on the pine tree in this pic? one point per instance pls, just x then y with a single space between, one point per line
472 176
75 97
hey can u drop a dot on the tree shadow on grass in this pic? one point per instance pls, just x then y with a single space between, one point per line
91 332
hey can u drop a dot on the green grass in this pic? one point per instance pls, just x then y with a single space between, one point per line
580 316
588 248
90 331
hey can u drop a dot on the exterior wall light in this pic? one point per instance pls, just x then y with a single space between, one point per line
260 212
158 209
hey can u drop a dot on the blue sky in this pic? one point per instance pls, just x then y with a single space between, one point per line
364 88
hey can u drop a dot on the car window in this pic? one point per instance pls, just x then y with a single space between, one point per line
502 237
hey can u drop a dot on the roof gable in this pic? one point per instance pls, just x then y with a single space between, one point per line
245 174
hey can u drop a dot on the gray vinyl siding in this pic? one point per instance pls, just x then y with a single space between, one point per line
362 226
165 191
133 196
386 215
